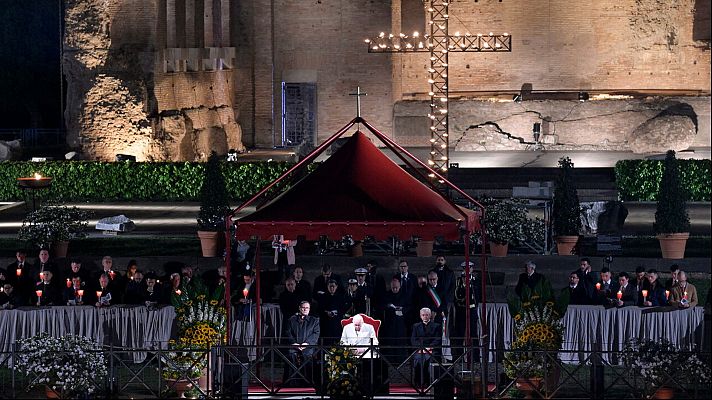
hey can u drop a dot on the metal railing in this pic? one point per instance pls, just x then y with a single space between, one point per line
472 372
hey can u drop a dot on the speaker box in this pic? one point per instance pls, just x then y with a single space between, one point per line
235 380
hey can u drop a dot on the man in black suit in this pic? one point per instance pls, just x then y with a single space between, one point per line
321 282
606 288
44 263
586 277
578 293
21 274
427 338
433 297
529 278
626 295
302 333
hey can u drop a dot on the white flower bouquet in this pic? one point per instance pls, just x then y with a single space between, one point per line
69 365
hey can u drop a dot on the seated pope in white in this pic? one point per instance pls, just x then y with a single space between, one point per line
359 334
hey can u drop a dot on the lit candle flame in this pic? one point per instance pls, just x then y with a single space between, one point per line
598 286
245 291
178 292
38 293
80 292
619 295
38 176
645 293
98 294
18 272
667 294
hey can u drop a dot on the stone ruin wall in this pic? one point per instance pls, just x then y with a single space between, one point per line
120 97
124 98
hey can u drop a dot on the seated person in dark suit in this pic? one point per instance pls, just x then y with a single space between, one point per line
48 292
578 293
626 294
9 299
529 278
302 333
427 337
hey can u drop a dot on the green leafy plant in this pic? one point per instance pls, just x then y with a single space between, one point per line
567 210
53 223
639 180
538 331
72 366
341 373
214 204
671 214
507 221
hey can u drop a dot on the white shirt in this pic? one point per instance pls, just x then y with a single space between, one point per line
349 337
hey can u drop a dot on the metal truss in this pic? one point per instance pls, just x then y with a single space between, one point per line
439 43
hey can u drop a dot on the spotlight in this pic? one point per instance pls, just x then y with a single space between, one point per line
72 155
125 157
517 98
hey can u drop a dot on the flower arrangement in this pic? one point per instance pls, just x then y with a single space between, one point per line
201 324
341 373
53 223
659 363
537 330
69 365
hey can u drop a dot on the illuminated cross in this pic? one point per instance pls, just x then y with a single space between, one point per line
358 95
439 43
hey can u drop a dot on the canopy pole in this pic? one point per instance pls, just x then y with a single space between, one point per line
258 306
228 309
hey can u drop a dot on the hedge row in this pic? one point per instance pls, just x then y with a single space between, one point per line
638 180
121 181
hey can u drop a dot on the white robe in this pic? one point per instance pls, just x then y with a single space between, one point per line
364 337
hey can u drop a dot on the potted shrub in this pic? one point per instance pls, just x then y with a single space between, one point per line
672 223
505 222
567 210
68 366
214 206
53 226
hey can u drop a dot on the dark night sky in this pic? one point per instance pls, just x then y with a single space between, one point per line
29 64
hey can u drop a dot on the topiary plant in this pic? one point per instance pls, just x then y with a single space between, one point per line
671 214
567 210
214 204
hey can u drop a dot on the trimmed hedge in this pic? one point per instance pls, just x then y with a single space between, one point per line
136 181
638 180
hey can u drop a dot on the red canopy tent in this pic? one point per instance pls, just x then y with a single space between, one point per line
358 191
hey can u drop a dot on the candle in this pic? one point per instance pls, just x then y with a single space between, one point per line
41 275
69 283
18 271
112 274
245 292
38 176
178 292
667 294
98 294
598 286
38 293
684 295
619 295
645 294
80 292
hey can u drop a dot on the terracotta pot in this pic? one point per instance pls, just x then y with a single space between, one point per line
51 394
60 248
424 248
208 243
180 386
565 245
664 392
528 386
498 250
673 245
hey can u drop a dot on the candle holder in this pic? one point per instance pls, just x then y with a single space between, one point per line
598 286
245 292
34 183
18 272
619 295
69 283
667 295
645 295
80 293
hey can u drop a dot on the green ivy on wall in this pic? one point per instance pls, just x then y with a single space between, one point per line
137 181
638 180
